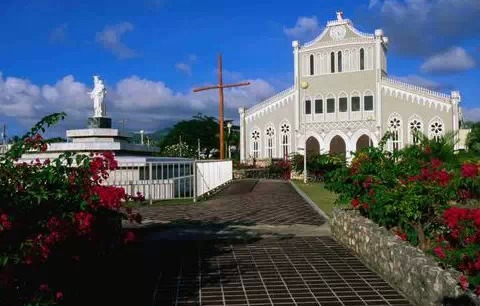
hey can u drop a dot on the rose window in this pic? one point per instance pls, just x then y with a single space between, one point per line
255 135
285 128
415 125
395 123
436 128
270 132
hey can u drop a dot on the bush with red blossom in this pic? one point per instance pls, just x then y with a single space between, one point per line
422 193
54 209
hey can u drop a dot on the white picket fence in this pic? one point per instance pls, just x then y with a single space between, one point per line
171 178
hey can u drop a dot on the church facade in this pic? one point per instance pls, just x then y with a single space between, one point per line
342 100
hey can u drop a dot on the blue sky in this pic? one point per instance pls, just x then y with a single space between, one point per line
151 53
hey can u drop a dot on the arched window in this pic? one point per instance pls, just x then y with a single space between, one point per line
355 107
312 65
270 142
308 107
362 59
415 126
255 146
368 101
339 59
395 142
285 139
436 129
332 62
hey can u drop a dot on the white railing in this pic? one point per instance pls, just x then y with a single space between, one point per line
171 179
211 175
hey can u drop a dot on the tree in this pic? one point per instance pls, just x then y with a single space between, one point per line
188 132
473 139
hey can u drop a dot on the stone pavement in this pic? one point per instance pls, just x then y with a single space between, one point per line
244 202
278 269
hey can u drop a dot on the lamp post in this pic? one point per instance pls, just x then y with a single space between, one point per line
229 126
304 86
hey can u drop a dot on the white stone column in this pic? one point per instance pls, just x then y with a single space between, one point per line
296 78
455 99
241 112
378 78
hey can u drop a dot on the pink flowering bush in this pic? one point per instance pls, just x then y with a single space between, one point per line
422 193
51 211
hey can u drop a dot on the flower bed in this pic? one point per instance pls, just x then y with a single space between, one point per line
54 214
425 195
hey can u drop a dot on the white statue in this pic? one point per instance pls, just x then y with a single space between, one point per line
98 95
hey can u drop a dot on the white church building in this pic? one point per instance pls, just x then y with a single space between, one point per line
342 100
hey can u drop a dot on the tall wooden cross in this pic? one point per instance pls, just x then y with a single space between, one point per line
220 86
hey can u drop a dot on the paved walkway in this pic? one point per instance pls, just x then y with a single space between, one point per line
282 270
245 202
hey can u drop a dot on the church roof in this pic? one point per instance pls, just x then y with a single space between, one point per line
340 21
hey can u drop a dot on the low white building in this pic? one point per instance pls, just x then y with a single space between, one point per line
347 101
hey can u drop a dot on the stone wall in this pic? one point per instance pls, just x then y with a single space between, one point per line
408 269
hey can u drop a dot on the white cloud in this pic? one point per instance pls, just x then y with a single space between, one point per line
184 67
111 39
422 27
59 34
471 114
146 104
305 28
454 60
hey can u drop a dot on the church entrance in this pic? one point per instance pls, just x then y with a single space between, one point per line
338 146
363 142
313 146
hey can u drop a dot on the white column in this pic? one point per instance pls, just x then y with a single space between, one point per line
241 112
296 77
455 99
378 78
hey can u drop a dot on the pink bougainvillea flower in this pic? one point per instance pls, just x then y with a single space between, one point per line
59 295
469 170
355 203
463 281
129 237
439 252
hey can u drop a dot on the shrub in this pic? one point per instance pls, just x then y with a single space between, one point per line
318 165
51 211
416 193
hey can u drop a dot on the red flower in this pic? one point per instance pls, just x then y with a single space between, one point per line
129 237
355 203
428 150
464 194
439 252
43 287
463 280
401 235
368 182
477 290
365 206
436 163
469 170
59 295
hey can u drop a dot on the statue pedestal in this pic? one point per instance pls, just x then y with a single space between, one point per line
99 123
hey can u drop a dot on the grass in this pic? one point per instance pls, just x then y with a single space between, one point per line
318 194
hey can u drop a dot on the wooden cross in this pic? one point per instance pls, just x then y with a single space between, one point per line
220 86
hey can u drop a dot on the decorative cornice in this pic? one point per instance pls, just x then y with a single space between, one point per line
325 127
416 94
345 22
278 98
418 89
336 43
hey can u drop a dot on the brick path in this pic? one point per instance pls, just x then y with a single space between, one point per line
246 202
263 271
